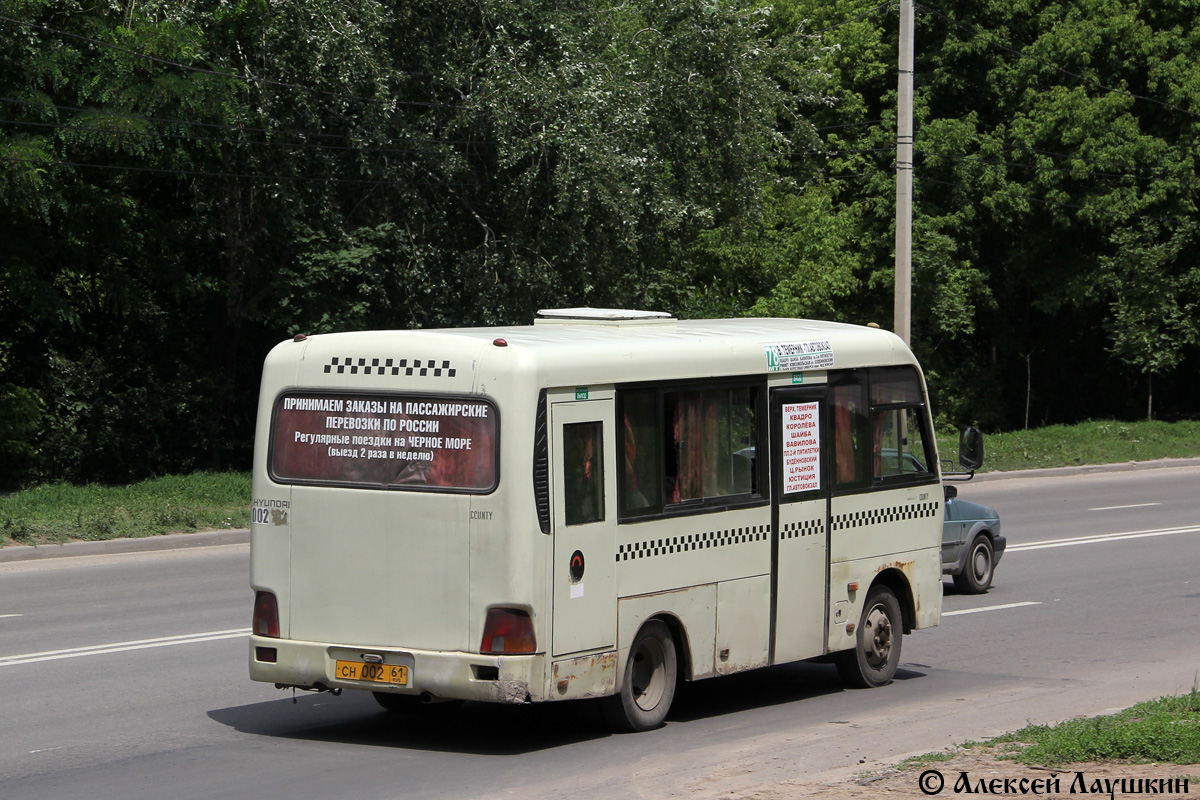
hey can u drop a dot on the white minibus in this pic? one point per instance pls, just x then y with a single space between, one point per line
597 505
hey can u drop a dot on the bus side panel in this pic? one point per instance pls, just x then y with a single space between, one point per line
696 611
743 624
865 533
668 554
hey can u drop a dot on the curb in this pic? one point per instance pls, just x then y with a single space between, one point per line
170 541
1055 472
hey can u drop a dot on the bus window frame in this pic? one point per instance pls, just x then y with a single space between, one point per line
919 404
863 379
391 487
760 496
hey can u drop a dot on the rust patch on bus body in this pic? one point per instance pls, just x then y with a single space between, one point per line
906 568
588 676
512 692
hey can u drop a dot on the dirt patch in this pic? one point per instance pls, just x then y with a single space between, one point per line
978 771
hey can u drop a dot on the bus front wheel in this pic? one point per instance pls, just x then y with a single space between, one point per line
879 636
648 686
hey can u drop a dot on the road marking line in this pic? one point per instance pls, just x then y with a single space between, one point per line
121 647
1118 508
1102 537
7 616
989 608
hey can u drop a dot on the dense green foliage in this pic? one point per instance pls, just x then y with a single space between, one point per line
1055 261
182 184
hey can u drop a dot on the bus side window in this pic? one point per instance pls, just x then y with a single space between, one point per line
583 471
849 438
640 477
900 450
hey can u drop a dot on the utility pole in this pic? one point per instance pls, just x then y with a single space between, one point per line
904 176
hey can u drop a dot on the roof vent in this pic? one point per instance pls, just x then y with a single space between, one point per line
597 316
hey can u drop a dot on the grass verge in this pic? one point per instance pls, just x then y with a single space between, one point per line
1092 442
1162 731
60 512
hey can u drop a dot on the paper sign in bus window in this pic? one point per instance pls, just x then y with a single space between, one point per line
801 447
385 441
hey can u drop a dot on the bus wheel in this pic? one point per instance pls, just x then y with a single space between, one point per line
649 682
976 576
879 637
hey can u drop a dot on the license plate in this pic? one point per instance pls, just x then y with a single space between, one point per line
376 673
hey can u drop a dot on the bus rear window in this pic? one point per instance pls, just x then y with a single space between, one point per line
385 441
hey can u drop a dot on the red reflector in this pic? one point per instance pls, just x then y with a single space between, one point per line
267 655
266 615
507 631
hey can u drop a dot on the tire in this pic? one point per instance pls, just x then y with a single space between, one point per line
976 577
412 704
879 637
648 685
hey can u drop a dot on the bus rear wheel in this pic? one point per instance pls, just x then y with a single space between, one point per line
648 686
879 637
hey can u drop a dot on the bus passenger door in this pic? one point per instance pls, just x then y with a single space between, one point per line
800 508
584 514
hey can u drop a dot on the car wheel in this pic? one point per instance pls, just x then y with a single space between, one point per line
879 637
976 576
648 687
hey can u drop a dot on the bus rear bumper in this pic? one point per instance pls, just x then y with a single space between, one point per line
440 675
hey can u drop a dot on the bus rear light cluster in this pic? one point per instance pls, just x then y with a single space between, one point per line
508 631
266 615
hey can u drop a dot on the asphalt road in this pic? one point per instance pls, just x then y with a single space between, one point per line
124 676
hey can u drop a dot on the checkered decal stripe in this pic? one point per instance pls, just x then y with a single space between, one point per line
809 527
693 541
880 516
390 366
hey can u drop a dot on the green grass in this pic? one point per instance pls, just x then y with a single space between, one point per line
59 512
1096 442
1163 731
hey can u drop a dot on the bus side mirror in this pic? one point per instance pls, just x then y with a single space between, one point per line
970 449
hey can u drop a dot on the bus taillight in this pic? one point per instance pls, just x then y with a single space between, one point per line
508 631
266 615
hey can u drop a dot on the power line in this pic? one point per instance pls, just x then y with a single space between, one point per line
237 142
863 15
1043 201
862 124
1089 173
206 174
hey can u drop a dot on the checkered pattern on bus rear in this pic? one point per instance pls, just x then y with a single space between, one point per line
390 366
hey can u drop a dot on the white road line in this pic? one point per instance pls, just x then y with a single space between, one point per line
121 647
7 616
1118 508
989 608
1102 537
